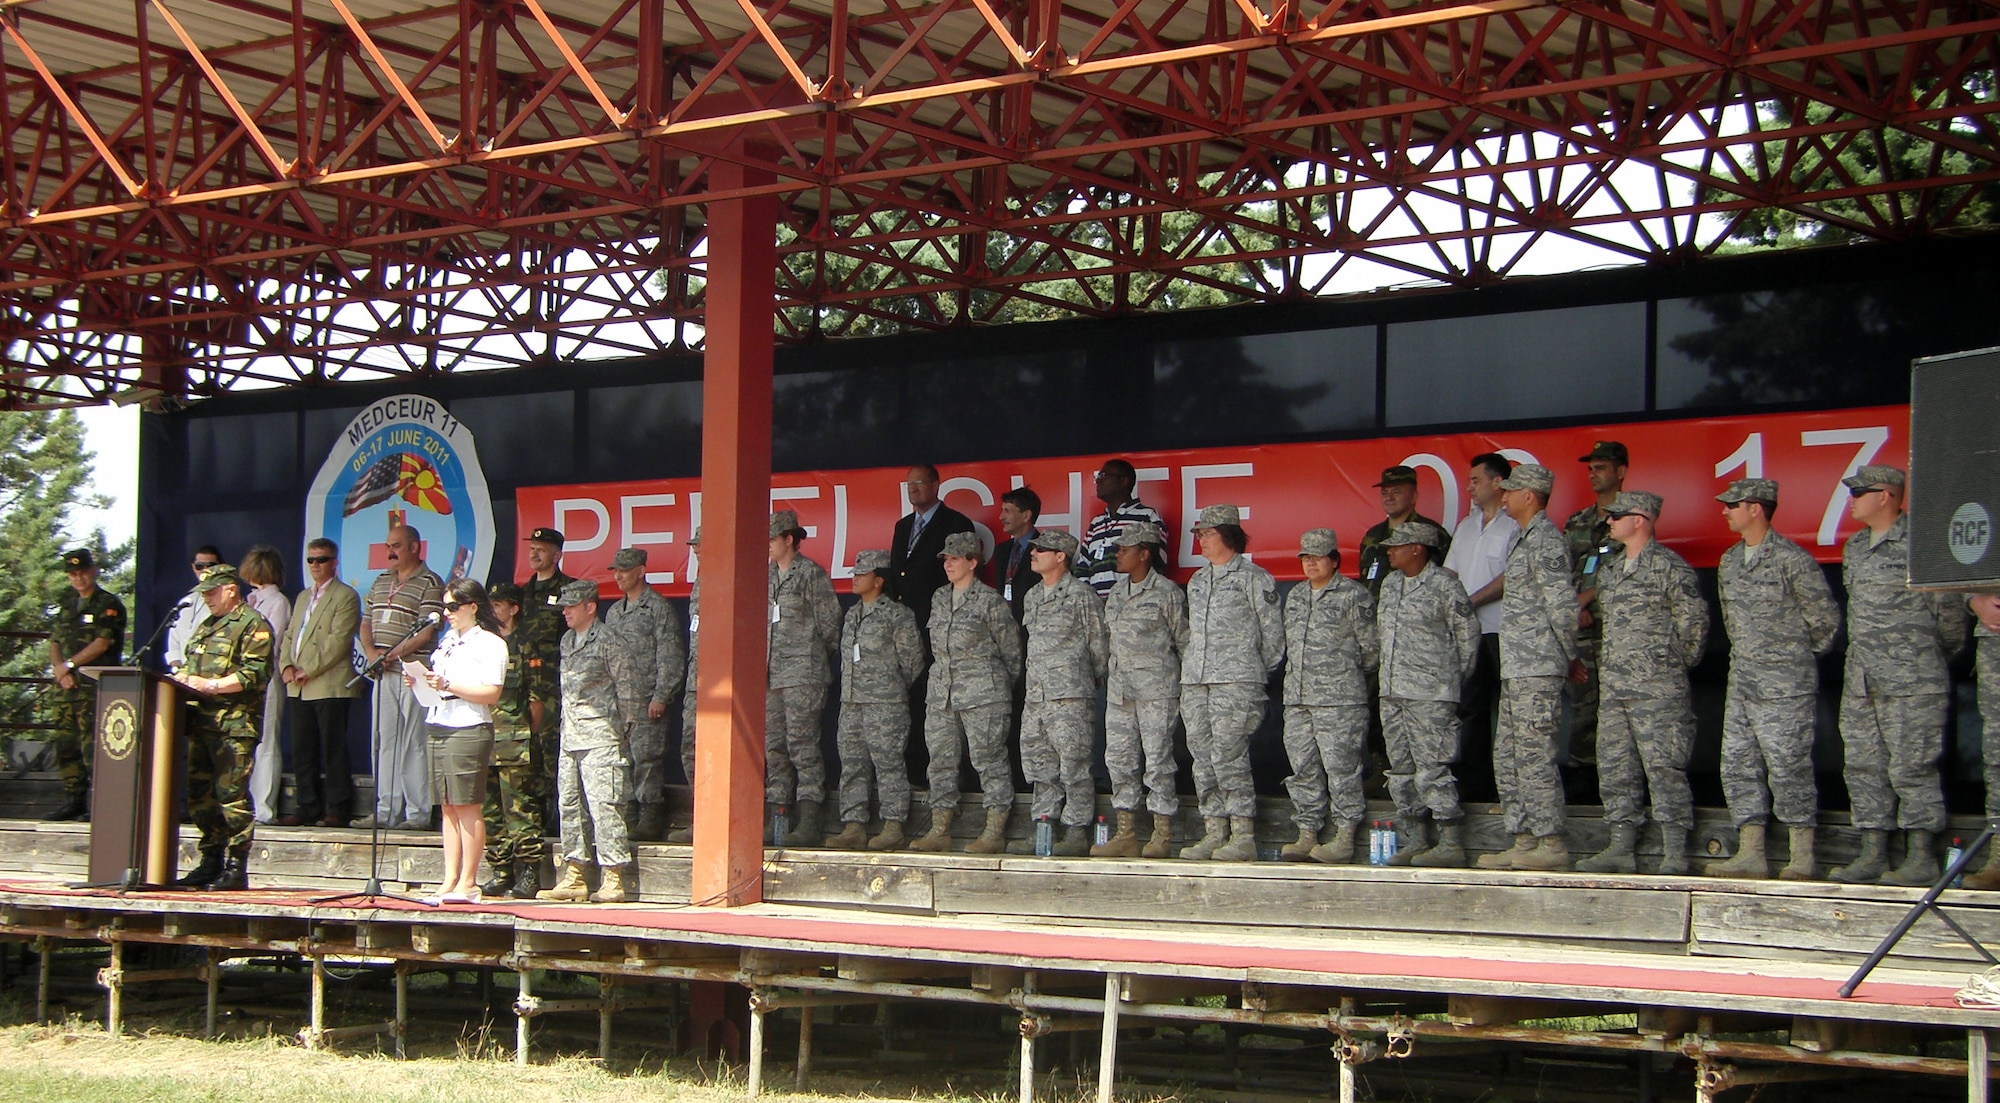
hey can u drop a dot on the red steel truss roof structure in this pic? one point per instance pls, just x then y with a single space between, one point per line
204 194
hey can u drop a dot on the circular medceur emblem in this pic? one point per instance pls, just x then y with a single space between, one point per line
121 729
1970 534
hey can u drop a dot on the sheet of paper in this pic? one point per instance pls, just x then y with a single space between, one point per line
426 696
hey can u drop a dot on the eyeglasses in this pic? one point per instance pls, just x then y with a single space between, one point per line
319 559
204 564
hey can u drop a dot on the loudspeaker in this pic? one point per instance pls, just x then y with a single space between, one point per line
1955 471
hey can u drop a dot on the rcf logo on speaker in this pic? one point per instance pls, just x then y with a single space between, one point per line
1971 532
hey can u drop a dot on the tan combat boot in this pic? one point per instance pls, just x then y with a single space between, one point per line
938 839
1550 855
993 836
570 886
1124 843
1339 852
1161 843
852 837
1804 866
891 838
1749 863
611 887
1242 844
1524 844
1300 849
1215 832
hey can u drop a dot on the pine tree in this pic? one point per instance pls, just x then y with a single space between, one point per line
45 477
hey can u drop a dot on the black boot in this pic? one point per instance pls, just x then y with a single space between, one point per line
235 875
74 807
202 874
527 879
807 830
502 881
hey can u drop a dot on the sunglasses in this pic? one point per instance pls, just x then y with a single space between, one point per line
1861 491
454 606
319 559
204 564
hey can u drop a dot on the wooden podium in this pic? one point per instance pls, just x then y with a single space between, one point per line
135 799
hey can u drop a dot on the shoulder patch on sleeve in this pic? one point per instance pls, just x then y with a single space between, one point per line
260 634
1271 596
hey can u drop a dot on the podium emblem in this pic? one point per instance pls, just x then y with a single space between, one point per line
121 729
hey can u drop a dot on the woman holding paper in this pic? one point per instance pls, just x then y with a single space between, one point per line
467 670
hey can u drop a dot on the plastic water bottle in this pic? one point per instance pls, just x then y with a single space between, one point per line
1103 831
1951 854
780 826
1045 837
1375 857
1388 840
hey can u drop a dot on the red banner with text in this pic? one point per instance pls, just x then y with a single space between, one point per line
1282 489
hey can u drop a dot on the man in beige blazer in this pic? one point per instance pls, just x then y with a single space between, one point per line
314 661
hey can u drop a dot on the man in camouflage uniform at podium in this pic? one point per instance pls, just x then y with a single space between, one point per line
228 664
541 630
89 631
513 810
1588 532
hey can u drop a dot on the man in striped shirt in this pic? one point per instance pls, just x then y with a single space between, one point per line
1097 562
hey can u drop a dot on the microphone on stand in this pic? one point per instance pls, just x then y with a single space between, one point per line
174 614
375 667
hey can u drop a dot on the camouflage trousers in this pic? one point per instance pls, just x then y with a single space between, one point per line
218 787
1892 746
513 808
1767 747
1524 755
1986 671
648 740
873 739
545 750
1423 743
687 728
1220 719
793 766
75 737
1056 741
1583 704
1642 750
1328 749
1139 735
591 785
978 733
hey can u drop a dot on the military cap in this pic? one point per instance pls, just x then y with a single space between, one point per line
1875 475
1320 542
1054 540
628 558
695 540
216 577
1750 490
78 559
1399 474
546 535
1212 516
1138 534
1530 476
1607 450
1414 532
873 561
785 522
964 545
504 591
1636 501
576 592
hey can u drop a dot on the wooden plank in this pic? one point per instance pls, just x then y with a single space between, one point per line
455 938
1836 930
1502 1010
1140 988
661 879
809 880
857 967
764 963
1828 1035
996 978
1260 996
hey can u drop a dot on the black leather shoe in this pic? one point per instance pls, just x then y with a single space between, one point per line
200 876
501 882
73 808
235 875
527 880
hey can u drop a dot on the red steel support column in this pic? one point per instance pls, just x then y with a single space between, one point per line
736 506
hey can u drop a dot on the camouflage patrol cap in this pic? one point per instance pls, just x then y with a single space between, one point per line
873 561
1530 476
1398 475
1414 532
1138 534
785 522
78 559
1874 476
546 536
1320 542
216 577
628 558
577 592
504 591
695 540
1636 501
1750 490
1212 516
1054 540
964 545
1607 450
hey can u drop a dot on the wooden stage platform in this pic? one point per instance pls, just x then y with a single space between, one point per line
1385 961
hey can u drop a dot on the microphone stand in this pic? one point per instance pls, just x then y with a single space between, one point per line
139 656
372 889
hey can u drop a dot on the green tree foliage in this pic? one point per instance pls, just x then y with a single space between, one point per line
45 477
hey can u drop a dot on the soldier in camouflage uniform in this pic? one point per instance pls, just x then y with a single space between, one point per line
541 632
1986 666
649 628
1428 638
89 631
1588 532
805 628
1145 615
229 664
1896 691
1399 505
1537 651
1780 615
595 760
686 834
881 656
1236 639
1655 631
513 810
1329 653
1066 660
975 662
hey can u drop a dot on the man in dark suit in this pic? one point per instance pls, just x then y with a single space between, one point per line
915 571
1012 570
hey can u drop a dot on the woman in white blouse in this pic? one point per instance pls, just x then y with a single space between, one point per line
467 670
263 575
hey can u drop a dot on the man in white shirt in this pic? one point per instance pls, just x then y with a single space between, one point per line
192 609
1478 556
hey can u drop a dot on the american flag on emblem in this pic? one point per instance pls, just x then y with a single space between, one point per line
379 483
